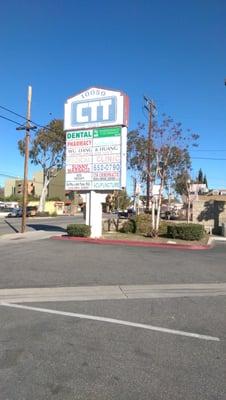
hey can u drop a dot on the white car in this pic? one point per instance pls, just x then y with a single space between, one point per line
5 211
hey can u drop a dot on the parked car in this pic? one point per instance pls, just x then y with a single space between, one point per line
31 211
18 212
15 212
122 214
131 212
169 215
5 211
126 213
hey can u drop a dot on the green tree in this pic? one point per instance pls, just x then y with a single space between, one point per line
205 181
200 176
170 156
47 149
182 187
118 200
137 152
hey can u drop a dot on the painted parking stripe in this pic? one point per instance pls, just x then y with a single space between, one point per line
113 321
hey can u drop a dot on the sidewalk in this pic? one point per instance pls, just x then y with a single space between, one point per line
28 236
111 292
213 239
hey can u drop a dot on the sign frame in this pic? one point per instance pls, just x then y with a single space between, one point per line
93 103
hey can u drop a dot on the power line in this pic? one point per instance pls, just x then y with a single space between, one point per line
11 120
23 117
20 116
9 176
52 130
5 175
208 151
208 158
12 112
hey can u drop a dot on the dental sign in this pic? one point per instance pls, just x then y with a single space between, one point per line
96 123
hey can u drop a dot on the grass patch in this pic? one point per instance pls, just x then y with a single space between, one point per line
159 239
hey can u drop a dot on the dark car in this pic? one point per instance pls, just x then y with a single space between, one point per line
31 211
170 215
126 214
122 214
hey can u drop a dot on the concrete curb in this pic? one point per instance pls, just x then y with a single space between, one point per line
132 243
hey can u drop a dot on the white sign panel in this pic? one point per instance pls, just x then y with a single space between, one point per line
96 159
96 107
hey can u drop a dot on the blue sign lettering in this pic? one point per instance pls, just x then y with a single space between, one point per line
93 111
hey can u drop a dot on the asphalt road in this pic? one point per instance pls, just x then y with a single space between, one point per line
60 263
102 350
11 225
46 356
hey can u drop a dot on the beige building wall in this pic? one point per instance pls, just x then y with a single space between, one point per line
57 185
38 183
210 213
9 188
20 185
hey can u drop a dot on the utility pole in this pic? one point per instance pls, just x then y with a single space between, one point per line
27 129
150 107
26 157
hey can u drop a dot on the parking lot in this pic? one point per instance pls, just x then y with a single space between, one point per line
81 321
59 223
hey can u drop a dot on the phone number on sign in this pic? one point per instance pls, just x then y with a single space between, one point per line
106 167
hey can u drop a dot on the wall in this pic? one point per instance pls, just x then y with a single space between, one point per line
57 186
19 187
9 188
211 213
38 183
15 187
50 206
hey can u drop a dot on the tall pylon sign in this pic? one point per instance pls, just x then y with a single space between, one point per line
96 123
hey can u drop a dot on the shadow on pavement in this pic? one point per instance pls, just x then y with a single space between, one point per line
47 228
11 226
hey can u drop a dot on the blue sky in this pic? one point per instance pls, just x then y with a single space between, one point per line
172 51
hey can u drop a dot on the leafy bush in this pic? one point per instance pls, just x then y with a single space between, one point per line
185 231
78 230
162 231
143 223
163 227
129 226
172 231
54 214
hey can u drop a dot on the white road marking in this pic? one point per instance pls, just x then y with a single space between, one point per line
113 321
